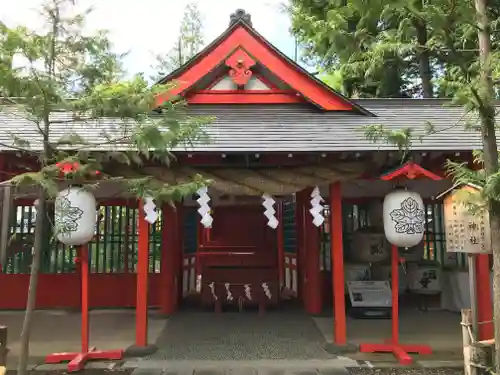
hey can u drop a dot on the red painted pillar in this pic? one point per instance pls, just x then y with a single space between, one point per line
484 298
168 261
312 248
299 233
141 314
280 245
337 256
177 257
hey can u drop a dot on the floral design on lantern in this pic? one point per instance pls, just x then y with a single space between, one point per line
66 216
404 218
410 218
75 216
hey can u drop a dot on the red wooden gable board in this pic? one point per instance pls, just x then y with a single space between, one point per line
241 36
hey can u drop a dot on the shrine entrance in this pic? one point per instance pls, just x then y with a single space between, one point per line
240 263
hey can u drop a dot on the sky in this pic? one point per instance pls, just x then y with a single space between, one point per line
145 28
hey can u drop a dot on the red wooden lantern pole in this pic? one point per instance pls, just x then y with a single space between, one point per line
77 360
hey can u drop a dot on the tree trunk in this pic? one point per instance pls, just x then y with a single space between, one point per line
487 116
424 64
423 56
35 267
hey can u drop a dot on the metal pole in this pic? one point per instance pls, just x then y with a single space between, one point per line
473 295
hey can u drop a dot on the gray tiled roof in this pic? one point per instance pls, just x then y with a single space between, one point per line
291 128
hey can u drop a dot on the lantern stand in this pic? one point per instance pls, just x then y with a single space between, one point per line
410 171
392 345
77 360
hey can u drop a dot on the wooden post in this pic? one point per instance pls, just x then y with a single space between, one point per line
280 245
3 346
337 257
313 272
301 259
141 315
179 246
168 261
466 338
484 314
482 357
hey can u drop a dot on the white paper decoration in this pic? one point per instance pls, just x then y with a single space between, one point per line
149 208
266 290
75 216
270 212
316 207
248 291
204 210
404 218
212 290
229 295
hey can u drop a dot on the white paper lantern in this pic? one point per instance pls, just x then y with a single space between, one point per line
75 216
404 218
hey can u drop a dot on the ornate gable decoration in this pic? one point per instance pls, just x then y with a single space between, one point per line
240 63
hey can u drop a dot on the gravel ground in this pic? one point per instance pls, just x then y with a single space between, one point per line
240 336
405 371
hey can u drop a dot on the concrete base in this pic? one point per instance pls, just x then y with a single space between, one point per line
140 351
341 349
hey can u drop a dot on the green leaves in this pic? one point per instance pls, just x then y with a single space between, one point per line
85 113
188 43
401 138
163 192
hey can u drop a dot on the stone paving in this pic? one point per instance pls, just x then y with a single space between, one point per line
311 367
205 336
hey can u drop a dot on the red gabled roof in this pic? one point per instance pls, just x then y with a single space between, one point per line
240 36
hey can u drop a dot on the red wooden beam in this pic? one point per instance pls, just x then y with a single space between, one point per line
245 97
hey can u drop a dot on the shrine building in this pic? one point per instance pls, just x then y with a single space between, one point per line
280 136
